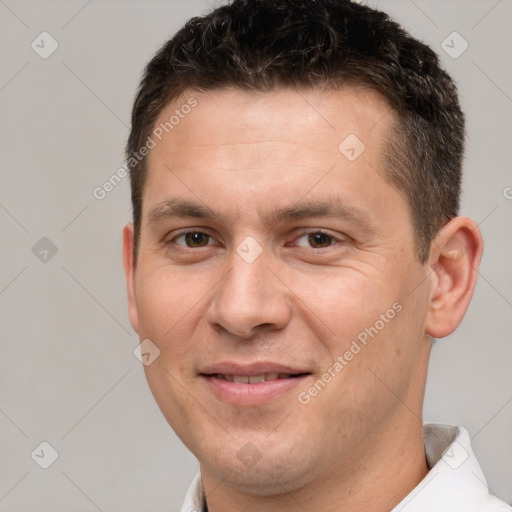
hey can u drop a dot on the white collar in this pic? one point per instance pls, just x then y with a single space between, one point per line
455 482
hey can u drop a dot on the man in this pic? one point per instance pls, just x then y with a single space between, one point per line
295 247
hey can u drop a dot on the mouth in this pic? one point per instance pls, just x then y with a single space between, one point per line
256 379
252 384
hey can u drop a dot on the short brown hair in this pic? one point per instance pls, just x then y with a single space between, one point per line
261 45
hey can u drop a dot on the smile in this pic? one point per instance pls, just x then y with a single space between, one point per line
251 385
253 379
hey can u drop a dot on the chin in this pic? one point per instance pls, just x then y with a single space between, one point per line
268 471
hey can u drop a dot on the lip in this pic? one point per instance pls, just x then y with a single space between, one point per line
230 368
251 394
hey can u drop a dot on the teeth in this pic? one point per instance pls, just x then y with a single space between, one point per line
253 379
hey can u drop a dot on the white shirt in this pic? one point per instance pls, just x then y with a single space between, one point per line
455 482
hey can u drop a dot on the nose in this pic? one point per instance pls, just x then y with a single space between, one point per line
249 299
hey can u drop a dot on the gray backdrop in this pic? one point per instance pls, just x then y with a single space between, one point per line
68 373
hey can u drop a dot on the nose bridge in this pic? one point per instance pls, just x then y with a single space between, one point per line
249 295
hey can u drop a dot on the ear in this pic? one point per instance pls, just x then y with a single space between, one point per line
129 270
454 259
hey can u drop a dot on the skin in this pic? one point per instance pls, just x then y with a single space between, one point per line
358 444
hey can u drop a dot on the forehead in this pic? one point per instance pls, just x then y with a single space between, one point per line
315 116
268 144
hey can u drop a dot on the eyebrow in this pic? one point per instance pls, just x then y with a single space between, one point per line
336 208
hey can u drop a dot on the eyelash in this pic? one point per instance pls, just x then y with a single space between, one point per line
307 233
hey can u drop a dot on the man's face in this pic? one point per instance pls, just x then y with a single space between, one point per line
273 287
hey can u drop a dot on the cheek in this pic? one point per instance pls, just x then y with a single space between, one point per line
164 296
376 364
348 300
168 305
375 326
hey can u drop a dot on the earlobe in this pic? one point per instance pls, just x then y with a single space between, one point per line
129 270
454 259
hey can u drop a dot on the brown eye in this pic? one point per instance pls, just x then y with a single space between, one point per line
193 239
316 240
319 240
